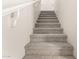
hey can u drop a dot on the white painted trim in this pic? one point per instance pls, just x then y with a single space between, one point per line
15 8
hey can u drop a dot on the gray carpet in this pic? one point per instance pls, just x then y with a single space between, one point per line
48 40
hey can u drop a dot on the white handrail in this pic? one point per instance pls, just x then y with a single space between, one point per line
12 9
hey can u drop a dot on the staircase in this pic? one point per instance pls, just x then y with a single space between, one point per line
48 40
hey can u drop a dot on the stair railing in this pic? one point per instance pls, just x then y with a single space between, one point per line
18 7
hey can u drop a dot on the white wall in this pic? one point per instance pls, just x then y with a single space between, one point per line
66 12
10 3
16 37
47 4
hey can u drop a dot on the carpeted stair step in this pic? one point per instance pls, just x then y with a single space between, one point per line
48 38
47 25
47 21
47 18
48 31
52 13
47 12
47 57
49 48
47 15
